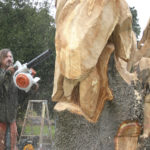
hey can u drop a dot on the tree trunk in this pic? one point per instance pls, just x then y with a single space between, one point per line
73 132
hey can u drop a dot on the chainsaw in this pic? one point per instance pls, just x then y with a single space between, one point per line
24 75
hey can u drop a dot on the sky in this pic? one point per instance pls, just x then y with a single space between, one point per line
143 10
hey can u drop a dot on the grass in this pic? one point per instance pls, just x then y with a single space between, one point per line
35 130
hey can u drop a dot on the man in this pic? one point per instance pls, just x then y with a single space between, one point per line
9 96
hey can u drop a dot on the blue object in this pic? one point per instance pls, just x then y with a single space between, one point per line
8 140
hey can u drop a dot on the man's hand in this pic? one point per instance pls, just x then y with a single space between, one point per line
11 69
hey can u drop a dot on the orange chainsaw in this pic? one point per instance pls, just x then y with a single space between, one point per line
24 75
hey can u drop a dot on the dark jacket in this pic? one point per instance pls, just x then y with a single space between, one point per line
9 95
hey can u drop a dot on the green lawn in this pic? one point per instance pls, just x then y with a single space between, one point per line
35 130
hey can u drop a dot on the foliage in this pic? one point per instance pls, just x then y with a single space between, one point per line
135 24
28 30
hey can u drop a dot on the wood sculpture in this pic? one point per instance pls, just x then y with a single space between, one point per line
87 34
85 40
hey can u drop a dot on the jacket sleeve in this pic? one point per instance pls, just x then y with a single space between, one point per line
4 75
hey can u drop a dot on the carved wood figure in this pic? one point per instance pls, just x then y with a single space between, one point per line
95 52
83 49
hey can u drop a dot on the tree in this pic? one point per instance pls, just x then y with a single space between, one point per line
135 24
28 30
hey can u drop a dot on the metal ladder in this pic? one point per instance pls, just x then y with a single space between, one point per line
36 120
